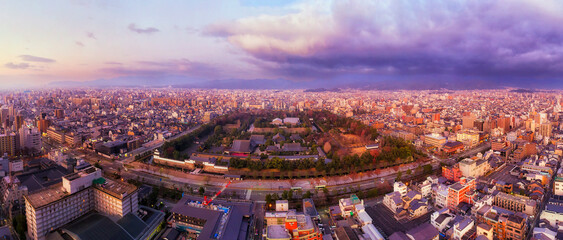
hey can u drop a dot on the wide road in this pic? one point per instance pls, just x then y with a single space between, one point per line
156 145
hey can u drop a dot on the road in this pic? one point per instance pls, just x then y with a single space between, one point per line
157 144
483 147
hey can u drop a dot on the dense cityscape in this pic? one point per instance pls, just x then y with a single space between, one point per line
281 120
274 164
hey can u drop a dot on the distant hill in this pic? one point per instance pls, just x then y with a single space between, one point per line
322 90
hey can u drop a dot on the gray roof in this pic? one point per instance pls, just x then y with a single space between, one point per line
96 227
132 224
38 180
292 147
211 217
241 146
257 139
399 236
424 231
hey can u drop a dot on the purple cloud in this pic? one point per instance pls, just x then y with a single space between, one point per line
91 35
30 58
480 38
78 43
12 65
149 30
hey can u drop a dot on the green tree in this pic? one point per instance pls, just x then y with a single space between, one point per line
427 169
308 194
201 190
20 225
399 174
409 172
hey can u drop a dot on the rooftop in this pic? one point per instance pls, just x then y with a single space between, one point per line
116 188
277 232
47 196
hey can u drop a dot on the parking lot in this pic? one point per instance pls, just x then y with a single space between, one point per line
383 219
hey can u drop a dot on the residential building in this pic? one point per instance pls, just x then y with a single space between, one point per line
400 187
452 173
8 144
516 203
462 191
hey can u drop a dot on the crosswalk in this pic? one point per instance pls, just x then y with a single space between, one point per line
248 193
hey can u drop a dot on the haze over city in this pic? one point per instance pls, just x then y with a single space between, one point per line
282 44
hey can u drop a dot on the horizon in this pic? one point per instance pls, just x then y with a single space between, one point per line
286 44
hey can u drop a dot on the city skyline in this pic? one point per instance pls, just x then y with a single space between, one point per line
282 44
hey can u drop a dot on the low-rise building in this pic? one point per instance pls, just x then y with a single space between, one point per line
515 203
474 168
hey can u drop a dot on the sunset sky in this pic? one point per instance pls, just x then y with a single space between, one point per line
298 41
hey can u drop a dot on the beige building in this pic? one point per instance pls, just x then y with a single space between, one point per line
434 139
468 138
78 194
474 168
515 203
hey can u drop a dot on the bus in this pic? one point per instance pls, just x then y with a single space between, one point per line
320 186
296 188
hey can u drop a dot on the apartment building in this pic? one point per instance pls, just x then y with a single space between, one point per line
515 203
505 224
452 173
8 144
462 191
78 194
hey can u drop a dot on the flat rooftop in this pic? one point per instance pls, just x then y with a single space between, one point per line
47 196
116 188
277 232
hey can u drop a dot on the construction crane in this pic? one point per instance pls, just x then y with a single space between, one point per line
207 201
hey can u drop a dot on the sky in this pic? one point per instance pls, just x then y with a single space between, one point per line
306 43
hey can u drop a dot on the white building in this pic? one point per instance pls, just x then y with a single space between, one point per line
425 188
558 184
282 206
462 227
440 193
393 201
30 138
78 194
441 218
400 187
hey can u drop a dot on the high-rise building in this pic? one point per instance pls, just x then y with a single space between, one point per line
43 125
30 139
8 144
18 121
59 113
468 121
545 129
